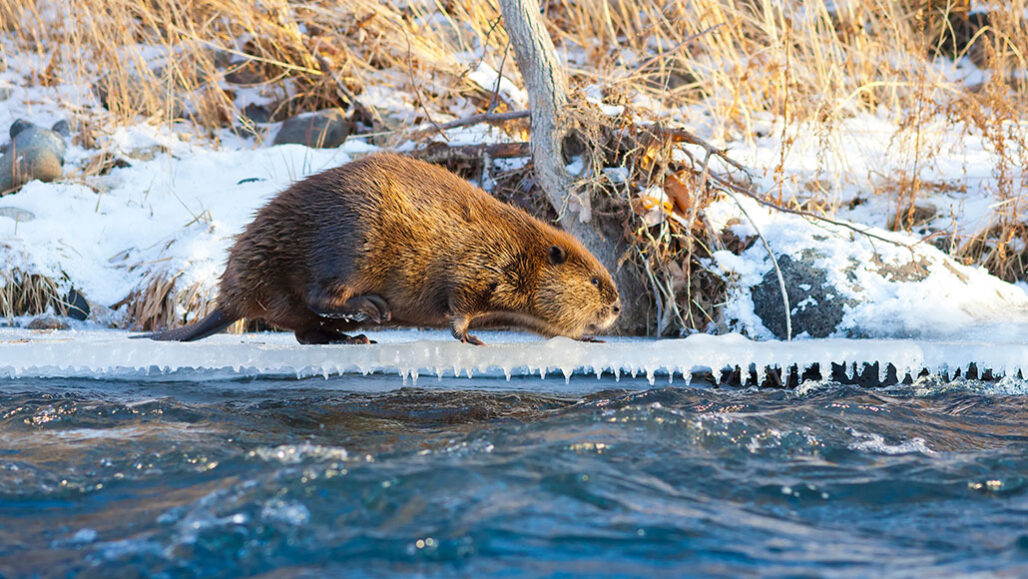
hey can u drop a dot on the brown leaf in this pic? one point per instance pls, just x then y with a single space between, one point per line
679 192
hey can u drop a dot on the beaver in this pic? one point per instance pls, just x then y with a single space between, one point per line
389 238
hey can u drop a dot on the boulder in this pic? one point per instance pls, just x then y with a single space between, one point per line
76 305
33 153
816 306
322 129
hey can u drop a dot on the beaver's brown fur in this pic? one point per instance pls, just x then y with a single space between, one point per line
387 238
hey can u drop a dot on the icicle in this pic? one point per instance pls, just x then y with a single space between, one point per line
403 374
506 373
883 371
567 374
324 372
439 373
617 373
542 372
414 376
649 376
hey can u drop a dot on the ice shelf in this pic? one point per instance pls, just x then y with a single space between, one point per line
413 354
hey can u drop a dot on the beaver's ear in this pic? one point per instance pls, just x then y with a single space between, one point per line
556 255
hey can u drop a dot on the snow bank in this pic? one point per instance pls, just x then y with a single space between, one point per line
910 290
410 353
177 211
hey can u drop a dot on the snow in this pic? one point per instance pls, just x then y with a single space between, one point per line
951 302
176 208
489 80
178 211
429 354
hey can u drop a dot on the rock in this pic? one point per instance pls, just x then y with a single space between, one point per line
18 126
323 129
76 304
62 129
5 92
817 307
46 322
249 118
34 153
257 113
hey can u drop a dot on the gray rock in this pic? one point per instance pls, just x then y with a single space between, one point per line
249 119
257 113
62 129
323 129
5 92
46 322
34 153
18 126
76 305
817 306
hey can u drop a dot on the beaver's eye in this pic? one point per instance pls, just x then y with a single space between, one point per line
595 281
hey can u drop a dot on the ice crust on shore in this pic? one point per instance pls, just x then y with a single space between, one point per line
428 354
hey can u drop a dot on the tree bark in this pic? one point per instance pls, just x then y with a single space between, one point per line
547 87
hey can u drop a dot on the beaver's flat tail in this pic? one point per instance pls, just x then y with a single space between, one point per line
215 322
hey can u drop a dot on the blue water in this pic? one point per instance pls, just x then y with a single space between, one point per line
305 479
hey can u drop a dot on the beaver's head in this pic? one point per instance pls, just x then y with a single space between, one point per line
574 294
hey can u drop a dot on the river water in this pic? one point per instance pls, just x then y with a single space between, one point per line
358 476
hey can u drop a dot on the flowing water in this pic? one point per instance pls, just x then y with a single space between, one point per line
356 476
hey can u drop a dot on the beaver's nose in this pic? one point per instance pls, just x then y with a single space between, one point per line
617 307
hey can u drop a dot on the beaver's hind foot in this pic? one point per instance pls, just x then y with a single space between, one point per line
357 309
326 336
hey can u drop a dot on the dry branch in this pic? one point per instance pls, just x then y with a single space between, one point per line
473 120
441 153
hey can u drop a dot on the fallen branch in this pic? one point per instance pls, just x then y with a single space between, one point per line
728 185
680 135
474 120
440 153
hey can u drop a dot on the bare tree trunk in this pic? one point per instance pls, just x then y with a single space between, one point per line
547 88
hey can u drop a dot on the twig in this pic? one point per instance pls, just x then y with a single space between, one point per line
441 153
774 262
499 79
688 40
729 186
474 120
417 89
705 175
680 135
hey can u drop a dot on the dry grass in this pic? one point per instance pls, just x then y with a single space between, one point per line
732 63
29 294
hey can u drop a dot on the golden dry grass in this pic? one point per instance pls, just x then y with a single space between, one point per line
731 63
